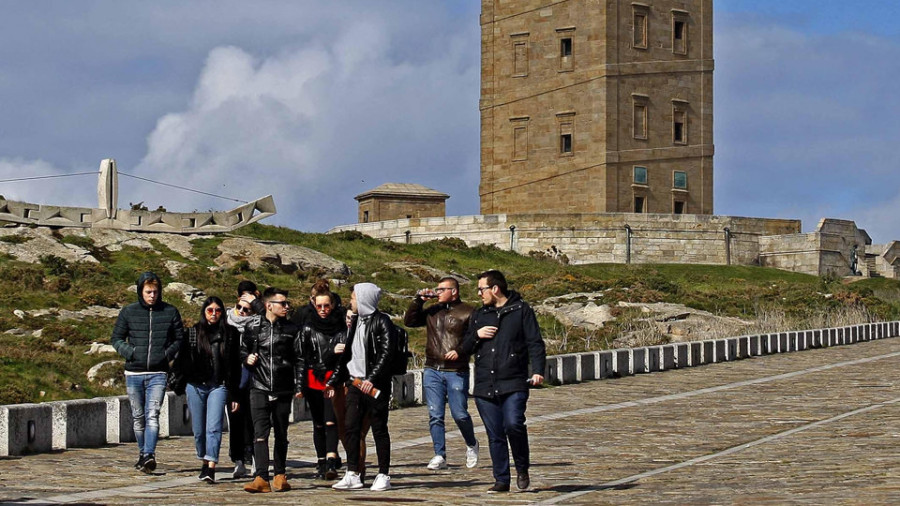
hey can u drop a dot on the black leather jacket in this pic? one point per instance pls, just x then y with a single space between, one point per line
378 351
279 368
317 350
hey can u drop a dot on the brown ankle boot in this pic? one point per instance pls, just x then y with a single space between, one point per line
280 483
258 485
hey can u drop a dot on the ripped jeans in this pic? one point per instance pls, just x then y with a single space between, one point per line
146 393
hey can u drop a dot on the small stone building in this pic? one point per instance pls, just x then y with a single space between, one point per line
393 201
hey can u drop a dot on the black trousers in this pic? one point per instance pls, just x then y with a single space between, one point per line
240 427
267 415
325 432
358 406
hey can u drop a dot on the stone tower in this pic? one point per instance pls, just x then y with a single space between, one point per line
594 106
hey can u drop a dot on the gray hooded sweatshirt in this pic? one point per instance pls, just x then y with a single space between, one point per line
367 297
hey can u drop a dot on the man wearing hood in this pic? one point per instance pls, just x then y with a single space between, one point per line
366 360
148 334
503 335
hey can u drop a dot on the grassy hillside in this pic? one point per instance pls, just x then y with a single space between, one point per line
53 365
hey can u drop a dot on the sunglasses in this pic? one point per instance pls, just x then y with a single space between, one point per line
242 309
284 303
441 289
213 310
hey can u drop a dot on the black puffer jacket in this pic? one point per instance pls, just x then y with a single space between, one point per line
148 337
501 363
279 368
378 351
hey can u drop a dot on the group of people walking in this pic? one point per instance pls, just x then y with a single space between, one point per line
252 359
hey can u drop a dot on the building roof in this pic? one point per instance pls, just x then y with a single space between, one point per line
402 190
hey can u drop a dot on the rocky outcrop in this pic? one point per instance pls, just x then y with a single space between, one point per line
426 273
287 257
30 244
107 369
188 293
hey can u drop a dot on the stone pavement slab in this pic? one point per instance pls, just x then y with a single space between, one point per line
816 427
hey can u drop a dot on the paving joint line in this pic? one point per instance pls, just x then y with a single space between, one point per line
704 458
98 494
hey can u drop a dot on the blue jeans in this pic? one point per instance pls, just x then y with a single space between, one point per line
146 393
504 422
442 388
207 405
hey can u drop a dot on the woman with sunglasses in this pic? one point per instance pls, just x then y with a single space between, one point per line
211 362
317 339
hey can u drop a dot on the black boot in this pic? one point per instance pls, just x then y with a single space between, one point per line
320 470
330 469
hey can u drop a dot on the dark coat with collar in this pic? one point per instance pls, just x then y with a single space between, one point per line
502 363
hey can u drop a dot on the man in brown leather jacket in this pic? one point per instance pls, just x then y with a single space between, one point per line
446 376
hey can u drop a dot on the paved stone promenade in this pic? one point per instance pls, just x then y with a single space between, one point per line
813 427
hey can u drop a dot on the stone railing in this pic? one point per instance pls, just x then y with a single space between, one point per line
37 428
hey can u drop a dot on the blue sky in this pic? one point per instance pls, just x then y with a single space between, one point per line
316 102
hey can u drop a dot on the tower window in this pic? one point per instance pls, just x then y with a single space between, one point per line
638 204
678 207
679 180
640 120
520 54
679 32
365 216
565 47
640 175
679 126
565 143
640 15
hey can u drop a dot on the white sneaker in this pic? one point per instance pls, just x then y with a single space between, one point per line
472 455
437 462
239 470
382 482
351 481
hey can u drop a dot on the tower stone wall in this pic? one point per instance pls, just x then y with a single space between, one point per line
596 106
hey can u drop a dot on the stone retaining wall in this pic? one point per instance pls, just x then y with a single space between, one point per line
37 428
598 238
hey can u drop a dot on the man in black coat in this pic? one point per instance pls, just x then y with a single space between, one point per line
503 335
270 348
148 334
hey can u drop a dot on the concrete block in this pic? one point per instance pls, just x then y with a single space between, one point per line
589 366
792 341
802 341
783 342
667 357
867 332
654 358
721 350
403 389
119 424
854 334
817 339
765 344
696 355
177 415
624 362
569 368
639 361
605 365
753 346
743 347
419 380
25 429
682 355
79 423
552 370
709 352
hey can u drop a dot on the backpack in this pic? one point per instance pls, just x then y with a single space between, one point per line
400 350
